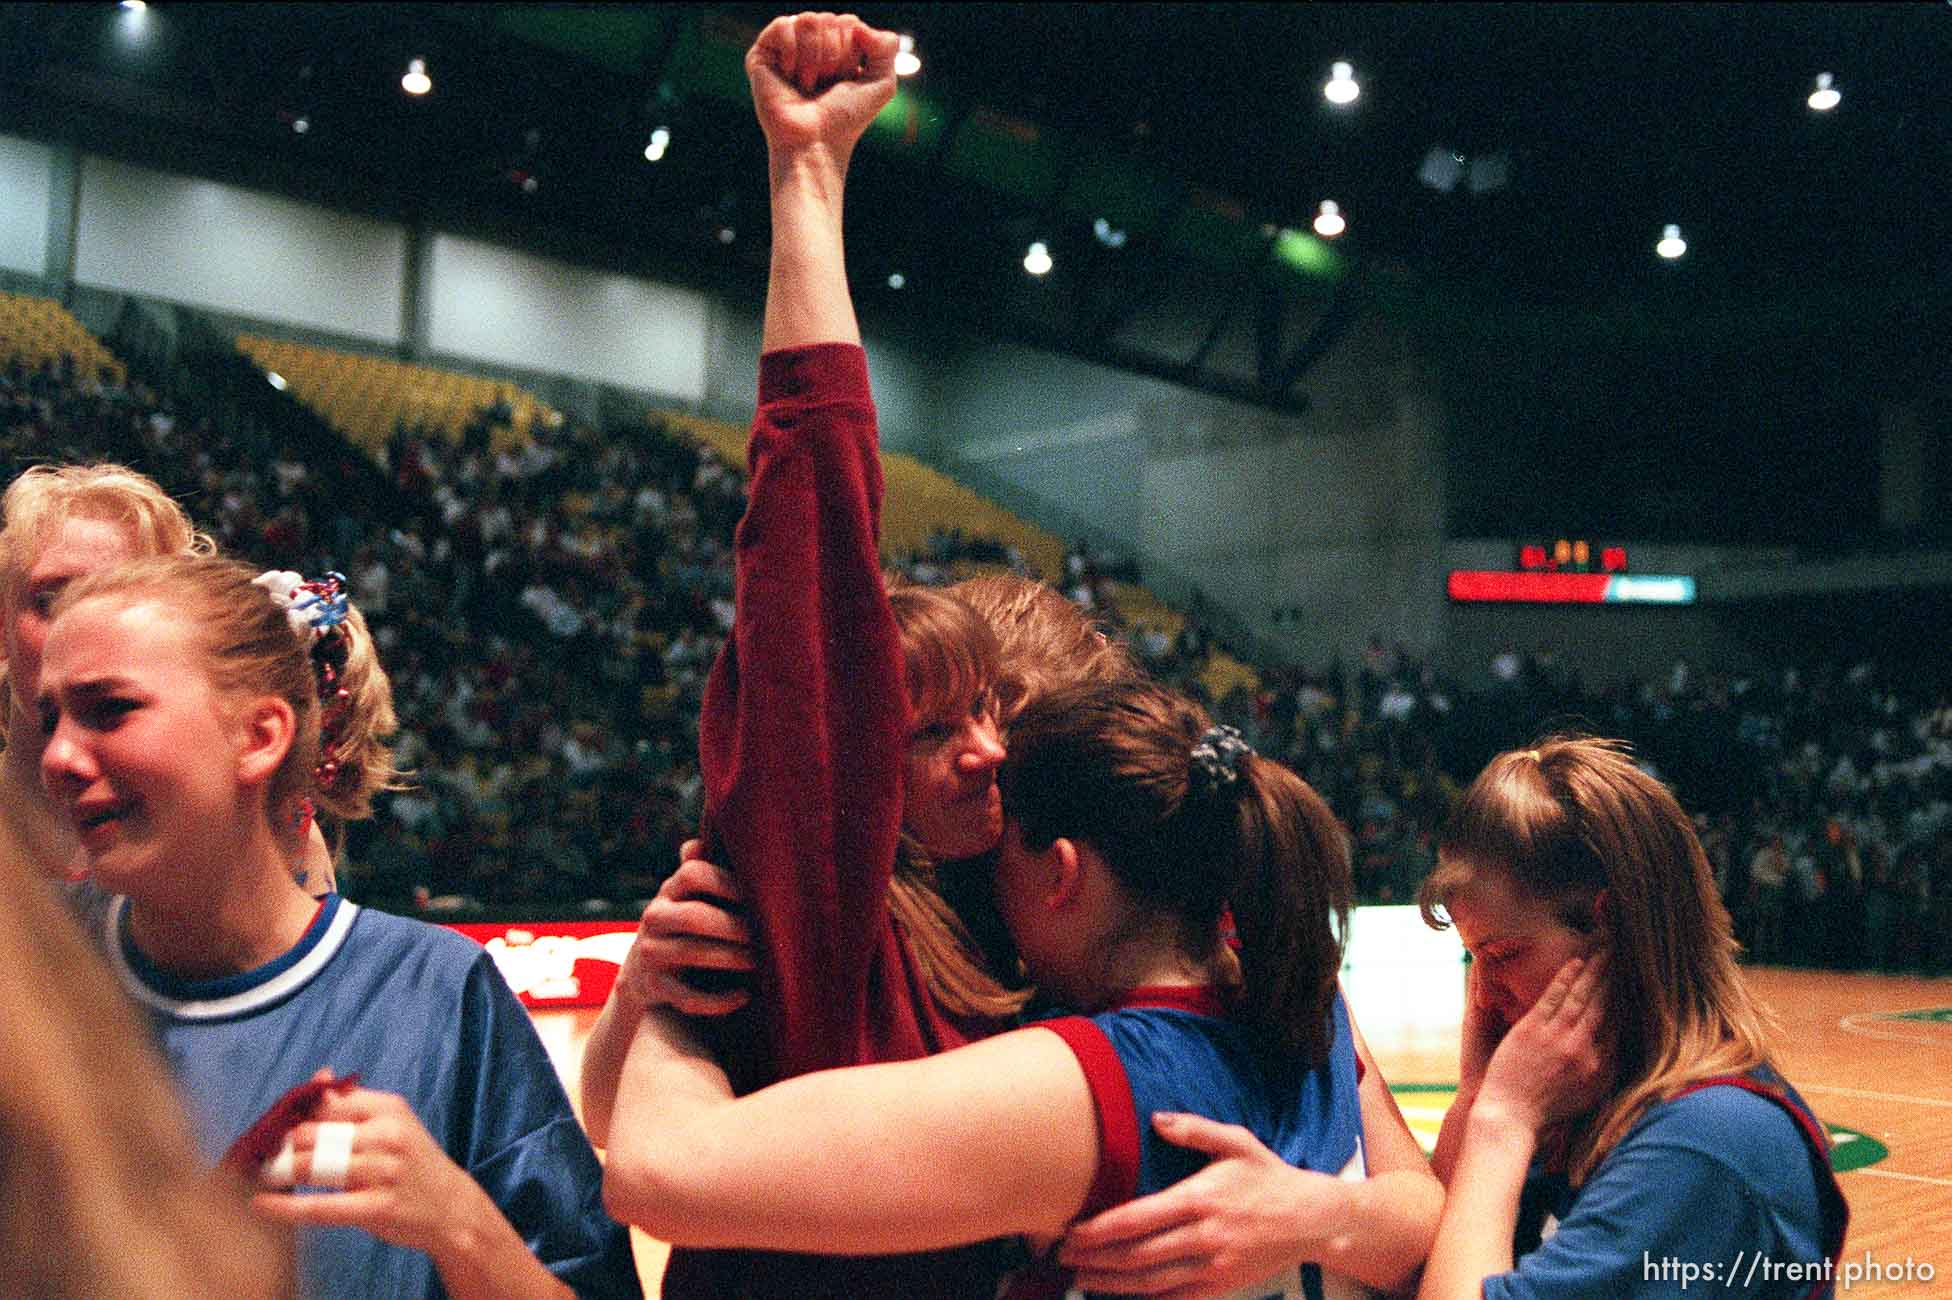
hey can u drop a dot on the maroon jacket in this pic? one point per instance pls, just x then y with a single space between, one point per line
801 744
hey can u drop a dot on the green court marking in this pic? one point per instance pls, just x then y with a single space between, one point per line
1850 1149
1940 1015
1424 1104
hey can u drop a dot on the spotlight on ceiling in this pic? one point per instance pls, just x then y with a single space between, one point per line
660 141
897 280
1341 88
276 380
907 62
1108 234
1826 96
1038 260
1671 244
1329 221
133 25
416 81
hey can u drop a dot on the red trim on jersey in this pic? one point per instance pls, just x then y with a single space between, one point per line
1117 1178
1818 1142
1200 999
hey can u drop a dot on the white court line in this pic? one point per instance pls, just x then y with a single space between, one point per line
1909 1178
1874 1096
1851 1024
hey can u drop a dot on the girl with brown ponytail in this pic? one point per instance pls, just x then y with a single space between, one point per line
1131 823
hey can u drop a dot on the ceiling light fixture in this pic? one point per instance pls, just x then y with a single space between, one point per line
416 81
1671 244
897 280
660 141
1341 88
907 62
1329 222
1038 260
1826 96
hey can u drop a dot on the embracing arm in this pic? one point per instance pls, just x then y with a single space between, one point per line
994 1139
694 923
1249 1214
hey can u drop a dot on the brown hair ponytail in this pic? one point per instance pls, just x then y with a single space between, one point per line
1115 765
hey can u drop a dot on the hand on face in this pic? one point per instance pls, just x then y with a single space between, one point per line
818 79
1484 1028
1555 1063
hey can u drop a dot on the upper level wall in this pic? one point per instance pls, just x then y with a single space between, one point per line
499 305
1318 530
26 176
235 250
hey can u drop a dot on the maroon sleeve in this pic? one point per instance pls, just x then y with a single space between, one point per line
805 712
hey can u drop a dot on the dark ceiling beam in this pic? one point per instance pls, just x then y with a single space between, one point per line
1021 331
1343 307
1150 271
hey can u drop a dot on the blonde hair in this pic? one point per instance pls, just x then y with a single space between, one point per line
950 661
1568 821
252 650
44 497
102 1194
1043 640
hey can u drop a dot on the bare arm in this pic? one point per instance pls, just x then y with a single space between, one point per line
1479 1039
690 925
817 81
994 1139
1249 1214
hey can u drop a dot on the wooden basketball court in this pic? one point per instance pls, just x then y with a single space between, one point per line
1872 1054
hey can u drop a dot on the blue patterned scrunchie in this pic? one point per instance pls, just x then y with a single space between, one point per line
1215 760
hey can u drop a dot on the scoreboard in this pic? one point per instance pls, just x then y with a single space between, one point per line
1569 571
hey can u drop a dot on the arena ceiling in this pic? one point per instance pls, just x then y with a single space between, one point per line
1197 133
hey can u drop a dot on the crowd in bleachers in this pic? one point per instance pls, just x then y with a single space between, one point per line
1823 795
549 609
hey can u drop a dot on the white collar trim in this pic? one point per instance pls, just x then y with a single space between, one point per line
277 988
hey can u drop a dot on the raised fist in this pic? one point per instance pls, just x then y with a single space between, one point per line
819 79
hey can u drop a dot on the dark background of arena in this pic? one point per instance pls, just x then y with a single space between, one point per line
1589 388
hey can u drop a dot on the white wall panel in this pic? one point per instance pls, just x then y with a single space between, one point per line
500 306
238 251
25 169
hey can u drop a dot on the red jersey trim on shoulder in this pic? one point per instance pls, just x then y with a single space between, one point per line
1815 1139
831 371
1117 1177
1200 999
